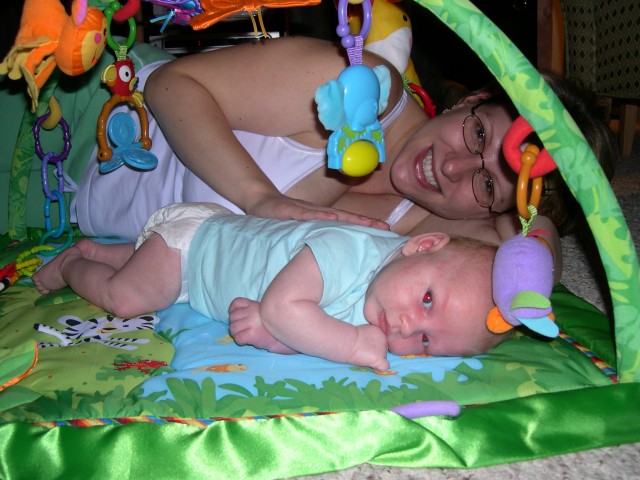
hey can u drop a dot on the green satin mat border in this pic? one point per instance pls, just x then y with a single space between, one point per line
490 434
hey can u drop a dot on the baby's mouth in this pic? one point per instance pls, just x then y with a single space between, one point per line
383 323
425 171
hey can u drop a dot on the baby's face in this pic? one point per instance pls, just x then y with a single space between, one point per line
429 303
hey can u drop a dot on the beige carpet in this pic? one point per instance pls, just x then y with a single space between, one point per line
613 463
583 275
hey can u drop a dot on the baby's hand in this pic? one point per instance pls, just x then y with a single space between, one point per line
371 348
246 327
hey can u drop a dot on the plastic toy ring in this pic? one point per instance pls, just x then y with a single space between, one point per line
108 13
528 159
104 151
45 180
343 31
47 214
65 135
127 11
516 135
67 243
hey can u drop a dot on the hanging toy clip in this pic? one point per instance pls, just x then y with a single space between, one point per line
351 104
121 80
344 32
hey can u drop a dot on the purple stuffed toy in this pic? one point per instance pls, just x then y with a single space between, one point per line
522 284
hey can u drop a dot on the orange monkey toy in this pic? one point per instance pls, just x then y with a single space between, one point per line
49 38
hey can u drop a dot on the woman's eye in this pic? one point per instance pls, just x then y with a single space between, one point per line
427 300
489 186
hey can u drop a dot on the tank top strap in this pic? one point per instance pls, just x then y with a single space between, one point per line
401 209
395 112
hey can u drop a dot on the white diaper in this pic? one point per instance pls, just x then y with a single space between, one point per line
177 224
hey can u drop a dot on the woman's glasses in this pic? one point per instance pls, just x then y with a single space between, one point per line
474 139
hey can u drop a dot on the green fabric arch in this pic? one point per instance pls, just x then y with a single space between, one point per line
535 100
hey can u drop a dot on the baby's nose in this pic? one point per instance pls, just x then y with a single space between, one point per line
407 326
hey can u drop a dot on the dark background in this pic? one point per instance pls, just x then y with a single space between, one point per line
439 56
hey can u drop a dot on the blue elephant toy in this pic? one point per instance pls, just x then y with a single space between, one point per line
350 106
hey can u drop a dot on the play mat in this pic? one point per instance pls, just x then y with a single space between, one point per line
169 395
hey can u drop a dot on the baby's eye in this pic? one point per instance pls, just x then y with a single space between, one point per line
427 300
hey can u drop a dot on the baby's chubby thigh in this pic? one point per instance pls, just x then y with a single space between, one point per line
176 225
148 282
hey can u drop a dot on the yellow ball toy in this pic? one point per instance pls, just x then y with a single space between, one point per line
359 159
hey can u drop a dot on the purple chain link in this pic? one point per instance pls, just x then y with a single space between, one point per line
45 178
66 136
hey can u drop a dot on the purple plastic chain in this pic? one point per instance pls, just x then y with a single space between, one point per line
51 157
53 195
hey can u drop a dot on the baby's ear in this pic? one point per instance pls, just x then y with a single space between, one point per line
425 242
473 98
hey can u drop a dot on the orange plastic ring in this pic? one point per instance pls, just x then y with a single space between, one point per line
528 160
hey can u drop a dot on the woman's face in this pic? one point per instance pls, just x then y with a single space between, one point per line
435 167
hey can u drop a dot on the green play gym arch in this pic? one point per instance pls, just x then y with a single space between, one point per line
540 106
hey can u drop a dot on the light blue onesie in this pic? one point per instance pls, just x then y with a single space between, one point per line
238 256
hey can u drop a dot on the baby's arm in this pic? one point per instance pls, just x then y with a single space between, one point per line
246 327
291 313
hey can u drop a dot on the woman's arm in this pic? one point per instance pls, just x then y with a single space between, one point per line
290 311
265 87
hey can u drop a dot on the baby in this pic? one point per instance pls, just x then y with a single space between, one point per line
338 291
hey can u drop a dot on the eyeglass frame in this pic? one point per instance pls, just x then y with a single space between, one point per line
478 151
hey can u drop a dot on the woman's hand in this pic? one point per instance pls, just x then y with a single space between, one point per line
285 208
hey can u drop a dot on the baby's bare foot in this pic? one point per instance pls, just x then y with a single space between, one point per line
49 277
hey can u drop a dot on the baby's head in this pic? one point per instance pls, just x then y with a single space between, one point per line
435 297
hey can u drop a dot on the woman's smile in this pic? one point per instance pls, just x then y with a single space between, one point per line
424 171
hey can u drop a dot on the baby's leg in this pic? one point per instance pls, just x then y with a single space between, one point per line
49 277
113 254
150 280
246 328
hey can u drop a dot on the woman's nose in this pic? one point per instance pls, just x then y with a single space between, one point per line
460 166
